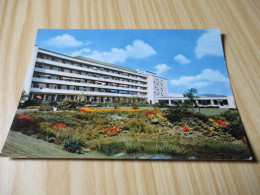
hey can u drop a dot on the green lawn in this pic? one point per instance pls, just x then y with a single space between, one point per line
210 111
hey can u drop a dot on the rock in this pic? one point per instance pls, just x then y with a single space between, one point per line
86 150
51 139
154 121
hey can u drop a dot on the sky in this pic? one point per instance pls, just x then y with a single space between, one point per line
187 58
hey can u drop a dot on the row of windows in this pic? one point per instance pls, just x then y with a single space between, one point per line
66 70
69 79
69 62
56 97
77 88
200 102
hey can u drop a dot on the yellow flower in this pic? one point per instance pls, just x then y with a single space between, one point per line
159 115
211 119
212 128
109 110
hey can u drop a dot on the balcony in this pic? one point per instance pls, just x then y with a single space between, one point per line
87 69
77 92
55 72
62 82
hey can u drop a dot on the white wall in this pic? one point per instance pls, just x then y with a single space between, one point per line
231 102
29 76
150 89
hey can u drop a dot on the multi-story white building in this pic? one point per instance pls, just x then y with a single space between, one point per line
54 77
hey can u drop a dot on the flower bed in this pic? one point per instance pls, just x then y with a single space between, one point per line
111 130
57 126
108 110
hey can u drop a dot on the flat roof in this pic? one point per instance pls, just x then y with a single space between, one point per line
94 61
105 63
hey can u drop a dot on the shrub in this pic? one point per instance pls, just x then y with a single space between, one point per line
135 106
74 146
31 102
69 105
137 125
53 103
176 114
45 107
25 124
235 125
200 116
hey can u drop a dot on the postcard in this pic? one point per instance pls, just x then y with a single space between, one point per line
128 94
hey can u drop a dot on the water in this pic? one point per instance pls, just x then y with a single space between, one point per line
143 156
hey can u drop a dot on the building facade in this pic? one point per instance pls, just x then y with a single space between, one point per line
201 101
54 77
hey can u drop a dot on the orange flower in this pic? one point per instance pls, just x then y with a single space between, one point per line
57 126
212 128
185 128
24 117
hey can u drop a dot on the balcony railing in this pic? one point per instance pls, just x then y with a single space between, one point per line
62 82
60 73
87 69
78 92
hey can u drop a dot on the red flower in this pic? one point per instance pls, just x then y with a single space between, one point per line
224 123
86 111
185 128
149 114
25 117
111 130
59 126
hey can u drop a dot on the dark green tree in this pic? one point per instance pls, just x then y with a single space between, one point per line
190 94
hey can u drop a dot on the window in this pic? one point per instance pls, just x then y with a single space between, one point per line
54 77
42 85
71 88
55 68
52 86
82 88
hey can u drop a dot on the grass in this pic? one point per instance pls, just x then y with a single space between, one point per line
174 146
210 111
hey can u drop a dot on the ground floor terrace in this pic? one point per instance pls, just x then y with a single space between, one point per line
90 98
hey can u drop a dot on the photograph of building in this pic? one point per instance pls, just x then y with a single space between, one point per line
127 94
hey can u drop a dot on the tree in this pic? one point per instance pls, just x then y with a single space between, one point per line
24 96
23 99
191 95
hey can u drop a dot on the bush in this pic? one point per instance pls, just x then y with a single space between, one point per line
69 105
135 106
137 125
45 107
53 104
25 125
200 116
236 128
31 103
74 146
176 114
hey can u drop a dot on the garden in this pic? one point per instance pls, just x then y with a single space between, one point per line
116 132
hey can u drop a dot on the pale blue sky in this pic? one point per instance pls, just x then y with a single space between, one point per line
187 58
